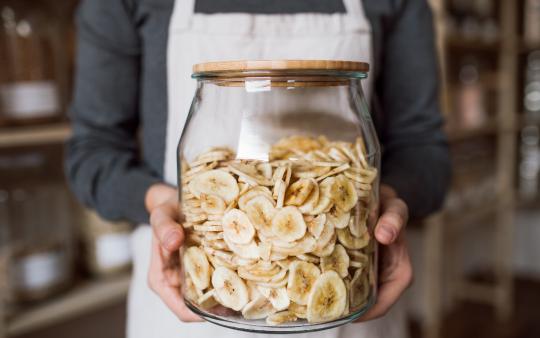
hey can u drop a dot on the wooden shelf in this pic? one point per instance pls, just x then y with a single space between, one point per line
477 45
527 47
34 135
457 135
83 299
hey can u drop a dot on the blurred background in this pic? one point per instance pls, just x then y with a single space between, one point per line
65 272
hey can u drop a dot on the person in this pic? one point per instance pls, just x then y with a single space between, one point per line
121 157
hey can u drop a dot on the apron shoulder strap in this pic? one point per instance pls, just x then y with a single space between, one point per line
182 14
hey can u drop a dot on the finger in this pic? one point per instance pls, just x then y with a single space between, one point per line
392 220
170 294
164 220
391 289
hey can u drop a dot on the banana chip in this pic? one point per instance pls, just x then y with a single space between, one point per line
282 240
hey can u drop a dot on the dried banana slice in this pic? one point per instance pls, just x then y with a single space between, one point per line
265 250
334 171
284 263
217 261
252 193
350 242
261 212
311 171
216 244
316 225
327 300
208 228
327 249
359 289
258 308
299 311
212 204
311 201
344 194
258 273
288 224
298 192
276 256
361 175
302 277
190 290
358 259
195 218
281 318
325 202
250 174
237 227
304 245
337 155
207 301
338 261
252 290
231 291
212 156
246 251
275 284
265 169
338 218
347 282
325 239
197 267
358 224
309 258
215 182
277 296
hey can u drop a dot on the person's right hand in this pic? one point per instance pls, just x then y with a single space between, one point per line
167 238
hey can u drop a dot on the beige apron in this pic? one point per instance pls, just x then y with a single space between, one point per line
195 38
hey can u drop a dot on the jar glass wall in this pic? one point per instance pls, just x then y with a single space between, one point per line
278 174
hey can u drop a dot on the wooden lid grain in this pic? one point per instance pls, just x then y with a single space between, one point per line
280 65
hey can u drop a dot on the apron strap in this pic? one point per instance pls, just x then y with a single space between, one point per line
356 16
182 14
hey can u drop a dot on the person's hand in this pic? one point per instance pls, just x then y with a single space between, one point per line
167 238
395 270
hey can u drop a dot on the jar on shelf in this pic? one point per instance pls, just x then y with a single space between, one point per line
471 101
278 172
107 245
41 242
29 55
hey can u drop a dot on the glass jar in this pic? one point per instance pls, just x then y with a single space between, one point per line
41 262
107 244
29 83
278 172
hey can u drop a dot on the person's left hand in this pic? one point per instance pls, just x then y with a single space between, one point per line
395 270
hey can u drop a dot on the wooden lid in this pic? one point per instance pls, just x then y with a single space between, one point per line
280 65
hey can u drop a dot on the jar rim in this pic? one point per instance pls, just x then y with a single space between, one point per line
280 67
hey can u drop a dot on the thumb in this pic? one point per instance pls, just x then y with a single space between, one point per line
168 231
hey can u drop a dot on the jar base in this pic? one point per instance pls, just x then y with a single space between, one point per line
260 326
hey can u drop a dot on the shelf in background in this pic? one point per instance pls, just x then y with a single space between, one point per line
462 134
527 47
82 299
34 135
461 43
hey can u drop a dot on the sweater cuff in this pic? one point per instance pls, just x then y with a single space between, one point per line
420 178
128 198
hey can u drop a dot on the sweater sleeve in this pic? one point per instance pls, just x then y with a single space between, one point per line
415 158
102 163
